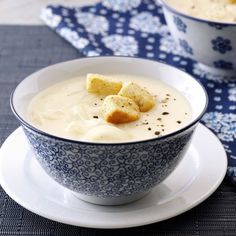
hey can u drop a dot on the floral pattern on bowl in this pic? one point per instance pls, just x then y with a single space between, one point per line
108 171
210 42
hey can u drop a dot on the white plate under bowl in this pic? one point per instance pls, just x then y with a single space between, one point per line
196 178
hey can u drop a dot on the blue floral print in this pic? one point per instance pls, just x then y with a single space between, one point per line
221 45
181 26
223 65
184 44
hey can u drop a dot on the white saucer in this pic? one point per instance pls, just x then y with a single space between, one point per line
197 177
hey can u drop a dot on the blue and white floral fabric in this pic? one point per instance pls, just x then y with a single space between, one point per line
137 28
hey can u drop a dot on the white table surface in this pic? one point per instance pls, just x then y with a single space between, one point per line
26 12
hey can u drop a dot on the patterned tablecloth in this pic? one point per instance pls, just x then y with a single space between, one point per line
138 28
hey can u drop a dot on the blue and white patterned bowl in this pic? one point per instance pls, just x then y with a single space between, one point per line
109 173
209 42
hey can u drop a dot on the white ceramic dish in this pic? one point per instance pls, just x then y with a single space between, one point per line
209 42
195 179
109 173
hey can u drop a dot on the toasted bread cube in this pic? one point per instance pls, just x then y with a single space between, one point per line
117 109
232 1
142 97
102 85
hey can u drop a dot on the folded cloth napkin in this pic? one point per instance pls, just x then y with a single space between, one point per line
138 28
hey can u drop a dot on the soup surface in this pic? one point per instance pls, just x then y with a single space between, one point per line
216 10
67 110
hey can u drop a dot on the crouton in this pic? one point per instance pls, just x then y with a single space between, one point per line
142 97
232 1
117 109
102 85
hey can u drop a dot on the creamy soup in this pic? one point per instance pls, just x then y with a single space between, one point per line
66 109
216 10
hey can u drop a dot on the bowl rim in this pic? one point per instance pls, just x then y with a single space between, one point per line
41 132
174 10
